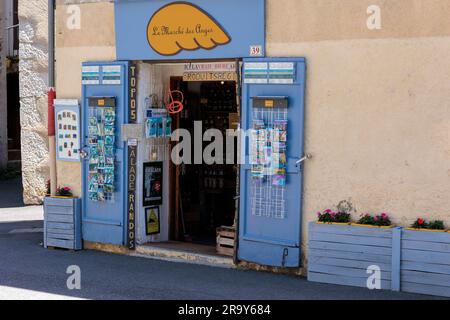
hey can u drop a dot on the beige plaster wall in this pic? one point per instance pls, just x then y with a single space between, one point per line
377 124
318 20
377 107
378 110
73 47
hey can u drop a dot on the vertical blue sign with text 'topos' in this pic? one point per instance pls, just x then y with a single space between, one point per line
187 30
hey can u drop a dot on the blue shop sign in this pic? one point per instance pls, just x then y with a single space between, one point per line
186 30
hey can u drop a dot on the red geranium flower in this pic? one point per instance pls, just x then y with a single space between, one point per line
421 222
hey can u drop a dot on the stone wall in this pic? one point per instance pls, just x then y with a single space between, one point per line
33 70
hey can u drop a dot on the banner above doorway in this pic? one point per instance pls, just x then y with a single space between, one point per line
181 30
212 71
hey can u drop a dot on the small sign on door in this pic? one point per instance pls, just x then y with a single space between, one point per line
152 219
153 184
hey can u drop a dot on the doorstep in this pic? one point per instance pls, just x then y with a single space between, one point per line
171 251
188 253
185 253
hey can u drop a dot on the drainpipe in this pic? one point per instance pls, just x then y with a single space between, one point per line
51 96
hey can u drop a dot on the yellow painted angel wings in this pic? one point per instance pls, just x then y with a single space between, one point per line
184 26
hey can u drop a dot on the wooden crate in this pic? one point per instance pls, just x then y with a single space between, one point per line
62 223
226 237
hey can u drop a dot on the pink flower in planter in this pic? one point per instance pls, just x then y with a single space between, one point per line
328 211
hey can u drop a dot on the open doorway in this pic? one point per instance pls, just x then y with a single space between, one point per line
14 129
10 163
205 193
199 198
12 85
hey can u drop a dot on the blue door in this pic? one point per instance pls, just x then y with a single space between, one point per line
105 110
271 179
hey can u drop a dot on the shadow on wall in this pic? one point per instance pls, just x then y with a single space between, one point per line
11 192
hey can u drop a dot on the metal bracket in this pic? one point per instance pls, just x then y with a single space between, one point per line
83 154
308 156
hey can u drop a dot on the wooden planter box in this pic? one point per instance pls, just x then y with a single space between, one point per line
425 262
411 261
62 223
341 254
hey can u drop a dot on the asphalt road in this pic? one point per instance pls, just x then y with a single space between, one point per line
28 271
11 193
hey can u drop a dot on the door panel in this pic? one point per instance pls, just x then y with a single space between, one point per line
270 215
105 105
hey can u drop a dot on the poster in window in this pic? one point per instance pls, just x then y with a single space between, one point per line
152 221
153 184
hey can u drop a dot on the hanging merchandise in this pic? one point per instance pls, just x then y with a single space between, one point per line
101 140
174 106
259 142
158 129
269 157
279 158
158 124
152 102
168 127
152 127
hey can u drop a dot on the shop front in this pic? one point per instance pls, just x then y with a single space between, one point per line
194 137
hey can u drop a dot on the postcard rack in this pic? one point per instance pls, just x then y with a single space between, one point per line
268 157
102 149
